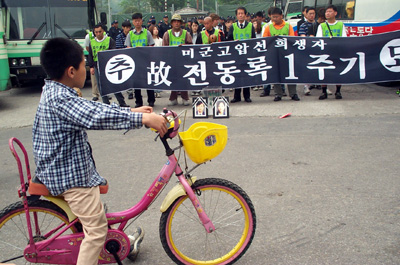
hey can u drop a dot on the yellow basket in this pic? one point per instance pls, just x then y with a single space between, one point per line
204 140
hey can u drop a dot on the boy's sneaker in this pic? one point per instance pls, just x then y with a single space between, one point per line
186 102
135 240
173 102
338 95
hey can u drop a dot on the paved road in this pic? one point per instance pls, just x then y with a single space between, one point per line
324 182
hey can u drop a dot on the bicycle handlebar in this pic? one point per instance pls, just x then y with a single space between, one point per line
173 123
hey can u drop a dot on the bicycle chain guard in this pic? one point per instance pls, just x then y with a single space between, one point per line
66 248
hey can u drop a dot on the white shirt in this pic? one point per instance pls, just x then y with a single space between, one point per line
319 30
87 40
157 42
264 27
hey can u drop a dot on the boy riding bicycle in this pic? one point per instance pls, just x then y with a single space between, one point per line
63 157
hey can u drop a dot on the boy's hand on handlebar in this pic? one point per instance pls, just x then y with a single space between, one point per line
143 109
156 122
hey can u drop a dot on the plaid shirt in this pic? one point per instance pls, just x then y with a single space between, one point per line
61 149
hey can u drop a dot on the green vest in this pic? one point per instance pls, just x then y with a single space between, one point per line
242 34
204 36
99 46
138 39
279 32
336 29
175 41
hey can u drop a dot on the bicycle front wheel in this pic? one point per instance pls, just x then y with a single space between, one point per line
184 237
45 217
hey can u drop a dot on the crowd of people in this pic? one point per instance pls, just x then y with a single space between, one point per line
209 29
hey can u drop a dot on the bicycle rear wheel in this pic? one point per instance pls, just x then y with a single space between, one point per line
14 231
184 237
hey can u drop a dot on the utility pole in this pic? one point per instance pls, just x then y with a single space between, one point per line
109 12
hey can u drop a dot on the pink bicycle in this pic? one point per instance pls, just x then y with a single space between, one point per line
205 221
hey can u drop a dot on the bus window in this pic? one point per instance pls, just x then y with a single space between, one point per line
293 10
60 18
309 3
345 9
24 22
74 27
24 18
322 4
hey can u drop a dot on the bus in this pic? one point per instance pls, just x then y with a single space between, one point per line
361 17
292 10
25 25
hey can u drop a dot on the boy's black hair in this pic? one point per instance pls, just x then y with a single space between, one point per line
241 8
137 16
126 23
276 11
259 14
304 8
332 7
58 54
311 8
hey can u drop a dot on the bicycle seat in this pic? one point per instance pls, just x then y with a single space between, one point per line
36 187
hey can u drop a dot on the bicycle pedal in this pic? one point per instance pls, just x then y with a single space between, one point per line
135 240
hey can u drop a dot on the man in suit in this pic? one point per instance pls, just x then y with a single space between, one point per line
241 30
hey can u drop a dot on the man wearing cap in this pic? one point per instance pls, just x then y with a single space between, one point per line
139 37
114 30
201 23
222 26
176 37
165 26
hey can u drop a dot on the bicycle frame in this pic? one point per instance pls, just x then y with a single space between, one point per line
64 249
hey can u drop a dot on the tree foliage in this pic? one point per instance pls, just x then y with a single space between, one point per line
158 5
131 6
